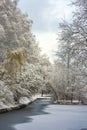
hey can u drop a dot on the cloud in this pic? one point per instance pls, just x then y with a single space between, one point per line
46 15
48 43
35 9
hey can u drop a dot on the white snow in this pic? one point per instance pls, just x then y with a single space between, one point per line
24 100
3 106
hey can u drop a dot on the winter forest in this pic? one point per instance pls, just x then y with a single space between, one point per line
24 72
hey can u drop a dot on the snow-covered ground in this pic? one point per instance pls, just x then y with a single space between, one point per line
22 101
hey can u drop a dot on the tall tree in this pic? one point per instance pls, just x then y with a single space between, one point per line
15 34
73 48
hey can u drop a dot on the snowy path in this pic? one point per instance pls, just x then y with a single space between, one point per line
42 115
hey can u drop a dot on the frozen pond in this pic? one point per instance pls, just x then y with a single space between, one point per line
42 115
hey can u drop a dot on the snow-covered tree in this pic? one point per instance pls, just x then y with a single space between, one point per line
73 47
19 54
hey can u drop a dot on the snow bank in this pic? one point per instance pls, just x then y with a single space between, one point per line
24 100
3 106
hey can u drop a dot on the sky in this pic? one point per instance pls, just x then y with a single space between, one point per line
46 14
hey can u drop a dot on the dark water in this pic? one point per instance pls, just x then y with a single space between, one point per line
43 115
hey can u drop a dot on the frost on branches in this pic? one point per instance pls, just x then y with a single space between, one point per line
72 52
21 71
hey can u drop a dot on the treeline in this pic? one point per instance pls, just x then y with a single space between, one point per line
24 72
70 71
22 68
